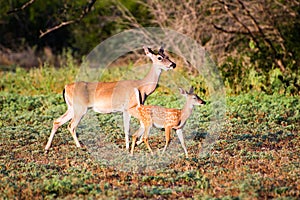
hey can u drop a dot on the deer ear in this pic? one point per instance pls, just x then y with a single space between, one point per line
161 50
191 90
182 92
146 49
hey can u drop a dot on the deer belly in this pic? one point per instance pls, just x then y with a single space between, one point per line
158 123
107 108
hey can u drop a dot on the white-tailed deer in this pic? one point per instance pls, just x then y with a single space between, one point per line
168 118
108 97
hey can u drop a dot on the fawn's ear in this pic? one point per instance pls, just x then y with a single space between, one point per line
182 92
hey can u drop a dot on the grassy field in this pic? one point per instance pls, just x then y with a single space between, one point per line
257 154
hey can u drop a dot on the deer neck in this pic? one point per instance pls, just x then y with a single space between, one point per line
185 113
151 79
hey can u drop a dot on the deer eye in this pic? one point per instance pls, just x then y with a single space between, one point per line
159 58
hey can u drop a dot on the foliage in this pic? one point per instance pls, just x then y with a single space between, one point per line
250 40
269 35
104 21
254 157
237 78
240 77
42 80
257 29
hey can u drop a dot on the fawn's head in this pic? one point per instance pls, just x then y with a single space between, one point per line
191 98
160 59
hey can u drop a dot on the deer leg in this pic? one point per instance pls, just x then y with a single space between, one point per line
140 141
126 120
133 143
140 135
145 138
167 133
145 123
135 136
180 136
74 123
57 123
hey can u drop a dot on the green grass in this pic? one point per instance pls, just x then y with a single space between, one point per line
255 157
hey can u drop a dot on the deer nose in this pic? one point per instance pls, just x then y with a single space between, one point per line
173 65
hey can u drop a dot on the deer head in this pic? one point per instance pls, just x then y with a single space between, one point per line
160 59
191 97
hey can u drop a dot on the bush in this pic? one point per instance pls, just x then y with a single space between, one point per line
240 77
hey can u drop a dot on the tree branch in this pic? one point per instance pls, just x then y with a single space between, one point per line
25 5
42 34
226 7
219 28
257 26
84 12
265 38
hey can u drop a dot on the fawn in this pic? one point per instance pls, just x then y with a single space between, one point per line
168 118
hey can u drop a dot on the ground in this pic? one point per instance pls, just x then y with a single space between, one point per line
256 155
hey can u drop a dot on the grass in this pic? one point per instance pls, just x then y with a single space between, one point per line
255 157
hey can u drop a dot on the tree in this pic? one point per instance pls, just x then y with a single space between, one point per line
232 27
59 24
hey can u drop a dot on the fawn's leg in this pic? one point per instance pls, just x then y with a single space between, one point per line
57 123
146 121
168 135
145 138
135 136
180 136
141 137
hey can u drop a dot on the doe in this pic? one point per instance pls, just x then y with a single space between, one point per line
168 118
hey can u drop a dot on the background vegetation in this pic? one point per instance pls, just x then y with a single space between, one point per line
256 47
255 43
